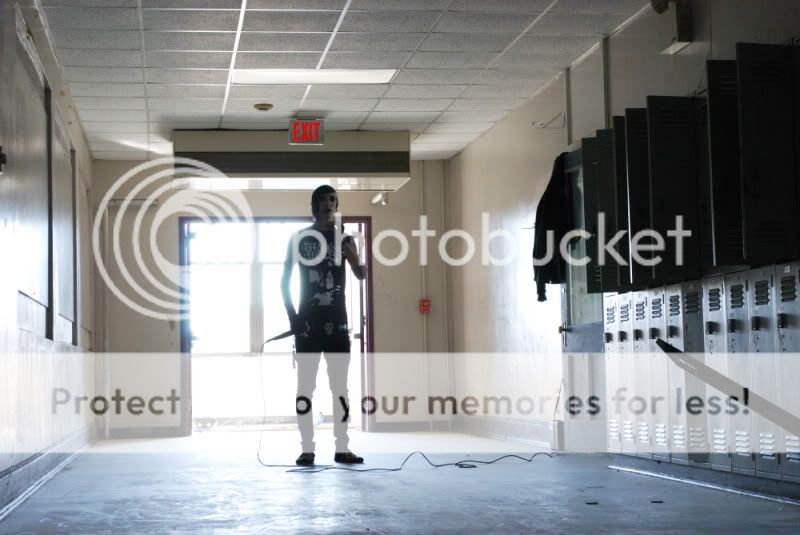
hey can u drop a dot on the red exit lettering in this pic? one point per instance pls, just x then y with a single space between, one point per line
305 131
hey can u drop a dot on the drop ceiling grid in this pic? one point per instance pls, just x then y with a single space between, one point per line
456 69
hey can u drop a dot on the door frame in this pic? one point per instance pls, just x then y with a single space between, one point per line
367 361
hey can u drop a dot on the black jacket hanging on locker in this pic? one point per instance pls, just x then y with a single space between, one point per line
554 214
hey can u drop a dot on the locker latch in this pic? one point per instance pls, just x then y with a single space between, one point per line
608 337
711 327
622 336
653 333
2 161
637 334
672 331
731 325
782 321
755 323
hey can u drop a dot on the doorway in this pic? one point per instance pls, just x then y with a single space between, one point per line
231 277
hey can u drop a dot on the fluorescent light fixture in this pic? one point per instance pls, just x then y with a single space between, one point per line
287 183
312 76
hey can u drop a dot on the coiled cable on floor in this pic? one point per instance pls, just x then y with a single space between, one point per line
317 468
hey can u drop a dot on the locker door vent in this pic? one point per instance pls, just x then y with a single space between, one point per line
742 440
627 431
692 303
714 300
678 436
771 232
762 293
644 433
720 438
788 289
624 313
767 70
661 435
611 314
792 448
613 429
639 313
767 444
737 296
674 305
655 308
697 438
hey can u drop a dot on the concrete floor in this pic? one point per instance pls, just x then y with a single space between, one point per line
212 483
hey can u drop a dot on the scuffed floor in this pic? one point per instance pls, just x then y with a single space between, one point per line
213 483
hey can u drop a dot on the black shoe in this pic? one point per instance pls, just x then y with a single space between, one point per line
348 457
305 459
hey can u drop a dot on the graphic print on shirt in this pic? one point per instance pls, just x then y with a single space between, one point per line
323 285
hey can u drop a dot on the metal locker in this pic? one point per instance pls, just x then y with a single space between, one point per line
621 192
640 394
685 332
607 205
787 279
737 313
674 184
627 378
610 339
590 158
719 442
659 373
763 374
636 152
767 96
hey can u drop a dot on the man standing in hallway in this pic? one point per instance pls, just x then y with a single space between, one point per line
320 322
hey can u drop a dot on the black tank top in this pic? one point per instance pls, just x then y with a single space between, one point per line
322 284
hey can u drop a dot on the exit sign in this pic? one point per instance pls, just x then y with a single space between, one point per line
306 132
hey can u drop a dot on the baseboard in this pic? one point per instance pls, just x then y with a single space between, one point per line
148 432
15 480
536 432
410 427
694 474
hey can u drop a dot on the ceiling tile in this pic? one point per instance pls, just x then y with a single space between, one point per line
485 104
554 44
90 3
93 127
103 74
626 7
466 42
188 105
566 24
443 60
118 145
532 77
296 4
267 91
108 137
341 126
161 149
535 61
290 21
396 116
483 23
425 91
325 91
360 104
112 116
280 106
73 57
192 4
84 89
427 104
501 6
283 42
377 42
109 103
501 91
434 76
185 91
396 125
91 18
189 60
383 21
181 20
399 5
220 41
472 116
343 116
365 60
98 39
186 76
277 60
183 117
437 147
447 128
